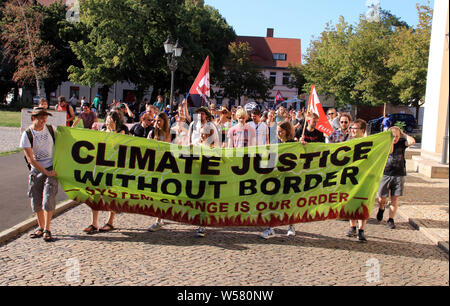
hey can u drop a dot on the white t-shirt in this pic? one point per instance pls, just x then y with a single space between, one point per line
261 132
194 133
43 145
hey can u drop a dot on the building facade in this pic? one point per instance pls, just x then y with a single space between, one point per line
273 55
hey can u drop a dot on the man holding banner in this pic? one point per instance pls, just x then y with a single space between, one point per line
310 134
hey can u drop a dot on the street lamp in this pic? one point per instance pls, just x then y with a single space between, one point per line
173 52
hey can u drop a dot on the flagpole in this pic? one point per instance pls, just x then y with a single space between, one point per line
307 110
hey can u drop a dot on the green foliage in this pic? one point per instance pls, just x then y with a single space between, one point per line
409 57
297 79
370 63
401 125
124 41
242 77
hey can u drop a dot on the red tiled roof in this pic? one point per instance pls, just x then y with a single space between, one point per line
47 2
265 47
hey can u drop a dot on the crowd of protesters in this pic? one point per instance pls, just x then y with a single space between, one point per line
213 127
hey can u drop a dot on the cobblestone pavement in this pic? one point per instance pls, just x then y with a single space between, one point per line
319 254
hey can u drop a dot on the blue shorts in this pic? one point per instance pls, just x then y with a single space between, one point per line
393 185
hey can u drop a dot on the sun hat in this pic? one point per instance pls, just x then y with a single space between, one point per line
39 111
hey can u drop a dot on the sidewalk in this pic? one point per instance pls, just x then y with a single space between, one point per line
426 207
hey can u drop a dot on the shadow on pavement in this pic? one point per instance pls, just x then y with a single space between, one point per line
238 240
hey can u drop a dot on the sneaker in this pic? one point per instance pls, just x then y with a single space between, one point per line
390 224
361 236
380 214
201 232
291 231
155 227
268 233
351 232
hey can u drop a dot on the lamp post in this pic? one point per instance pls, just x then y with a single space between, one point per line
173 52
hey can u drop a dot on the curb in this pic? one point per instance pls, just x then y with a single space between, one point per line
29 223
443 245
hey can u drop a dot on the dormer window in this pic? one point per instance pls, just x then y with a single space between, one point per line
279 56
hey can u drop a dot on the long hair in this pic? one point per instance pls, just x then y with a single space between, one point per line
164 130
115 117
287 126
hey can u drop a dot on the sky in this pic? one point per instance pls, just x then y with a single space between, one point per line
304 19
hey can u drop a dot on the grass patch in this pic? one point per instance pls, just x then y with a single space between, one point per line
11 152
10 119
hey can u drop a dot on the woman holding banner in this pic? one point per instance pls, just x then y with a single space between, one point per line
285 132
357 130
161 132
112 125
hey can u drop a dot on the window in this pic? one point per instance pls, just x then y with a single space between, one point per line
279 56
286 77
74 90
273 78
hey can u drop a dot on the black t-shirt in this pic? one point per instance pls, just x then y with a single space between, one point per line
314 136
396 163
139 131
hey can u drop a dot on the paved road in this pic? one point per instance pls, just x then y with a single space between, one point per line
14 203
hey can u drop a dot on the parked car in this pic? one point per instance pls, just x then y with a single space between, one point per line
408 119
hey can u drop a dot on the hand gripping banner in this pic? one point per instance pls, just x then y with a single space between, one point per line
256 186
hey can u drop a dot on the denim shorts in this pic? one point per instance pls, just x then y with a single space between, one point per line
393 184
42 190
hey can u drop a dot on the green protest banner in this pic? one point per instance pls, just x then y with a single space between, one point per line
256 186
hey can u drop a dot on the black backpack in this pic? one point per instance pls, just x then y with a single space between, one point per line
30 138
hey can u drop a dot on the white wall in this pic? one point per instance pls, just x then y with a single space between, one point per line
114 91
438 45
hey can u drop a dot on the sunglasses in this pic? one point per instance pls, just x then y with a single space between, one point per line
330 113
344 121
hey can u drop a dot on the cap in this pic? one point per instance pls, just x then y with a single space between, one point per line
39 111
203 109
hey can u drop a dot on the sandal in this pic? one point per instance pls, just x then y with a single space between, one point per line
90 230
107 228
38 233
48 236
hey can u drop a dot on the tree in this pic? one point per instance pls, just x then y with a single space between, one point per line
38 43
124 42
328 63
297 79
57 32
351 62
22 42
409 58
242 77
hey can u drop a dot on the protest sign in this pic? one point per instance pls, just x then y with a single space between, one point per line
255 186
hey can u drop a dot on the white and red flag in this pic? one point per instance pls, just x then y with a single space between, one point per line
278 97
315 106
200 90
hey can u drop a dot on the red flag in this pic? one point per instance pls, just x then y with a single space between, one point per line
200 89
278 97
315 106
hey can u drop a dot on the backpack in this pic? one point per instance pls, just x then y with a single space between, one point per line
30 138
